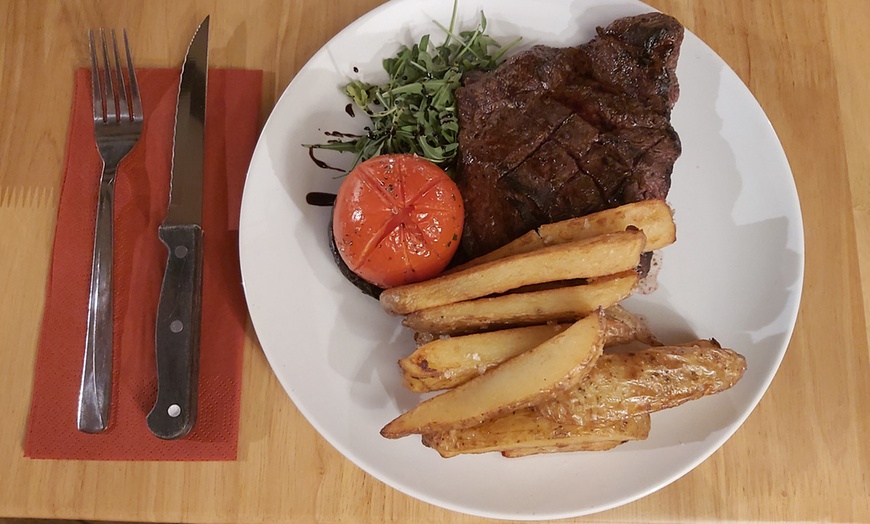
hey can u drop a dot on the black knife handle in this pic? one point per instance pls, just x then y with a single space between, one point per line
179 320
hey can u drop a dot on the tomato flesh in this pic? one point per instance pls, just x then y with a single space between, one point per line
397 220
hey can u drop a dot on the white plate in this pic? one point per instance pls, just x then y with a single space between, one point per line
735 272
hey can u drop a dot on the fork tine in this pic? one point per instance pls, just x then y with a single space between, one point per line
96 91
123 108
111 108
135 100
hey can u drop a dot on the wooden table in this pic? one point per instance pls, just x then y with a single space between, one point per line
804 454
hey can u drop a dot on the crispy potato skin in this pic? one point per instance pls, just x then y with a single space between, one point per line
623 327
524 432
558 364
595 257
621 385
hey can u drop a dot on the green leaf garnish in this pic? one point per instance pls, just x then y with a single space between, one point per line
415 110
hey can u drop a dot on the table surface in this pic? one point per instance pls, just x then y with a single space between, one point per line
803 454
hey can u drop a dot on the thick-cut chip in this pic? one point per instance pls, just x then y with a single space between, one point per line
622 385
653 217
443 363
448 362
599 256
604 445
525 430
565 304
558 364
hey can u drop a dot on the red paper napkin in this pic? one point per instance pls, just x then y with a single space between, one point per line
142 193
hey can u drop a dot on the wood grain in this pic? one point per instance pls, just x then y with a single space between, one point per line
803 455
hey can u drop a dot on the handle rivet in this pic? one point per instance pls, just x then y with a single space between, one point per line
174 410
176 326
180 251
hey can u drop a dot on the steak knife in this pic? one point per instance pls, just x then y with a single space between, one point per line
179 311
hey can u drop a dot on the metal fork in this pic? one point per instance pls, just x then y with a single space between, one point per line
118 121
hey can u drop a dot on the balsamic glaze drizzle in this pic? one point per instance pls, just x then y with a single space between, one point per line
317 198
320 163
339 134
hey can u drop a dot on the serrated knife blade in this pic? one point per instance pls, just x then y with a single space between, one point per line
179 310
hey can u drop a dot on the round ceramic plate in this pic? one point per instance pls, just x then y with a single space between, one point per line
735 272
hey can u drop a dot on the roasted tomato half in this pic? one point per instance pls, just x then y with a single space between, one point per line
397 220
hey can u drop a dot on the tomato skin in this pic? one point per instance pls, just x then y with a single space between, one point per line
397 220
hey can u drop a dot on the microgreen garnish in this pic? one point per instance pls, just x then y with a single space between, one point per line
415 111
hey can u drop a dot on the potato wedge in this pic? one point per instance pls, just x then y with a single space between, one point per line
603 445
558 364
448 362
444 363
622 385
565 304
653 217
602 255
525 432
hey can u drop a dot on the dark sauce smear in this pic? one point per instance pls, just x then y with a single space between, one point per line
339 134
316 198
349 110
320 163
644 265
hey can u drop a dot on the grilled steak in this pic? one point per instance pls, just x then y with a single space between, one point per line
556 133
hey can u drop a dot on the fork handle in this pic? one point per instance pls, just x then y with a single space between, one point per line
95 394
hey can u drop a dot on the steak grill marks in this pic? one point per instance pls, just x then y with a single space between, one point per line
556 133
